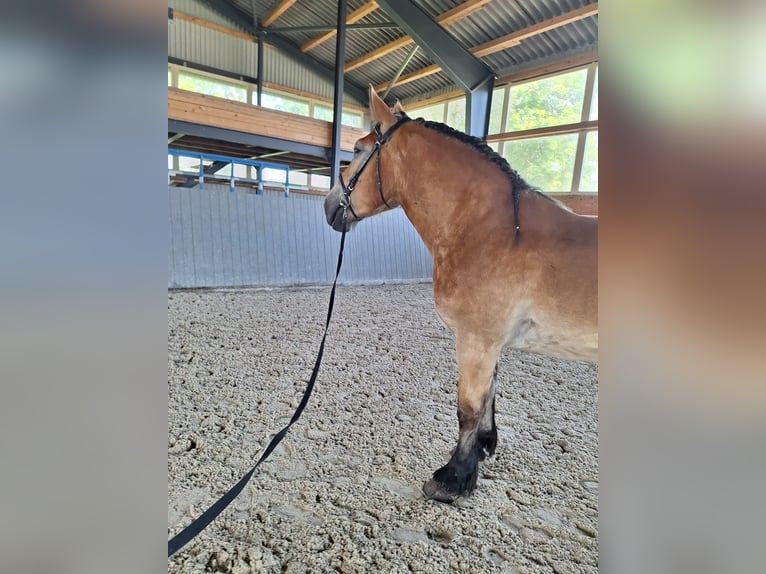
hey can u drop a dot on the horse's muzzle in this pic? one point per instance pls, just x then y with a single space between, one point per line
334 211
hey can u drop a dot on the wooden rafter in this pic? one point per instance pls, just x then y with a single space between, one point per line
277 12
355 16
547 69
447 18
515 38
212 26
505 42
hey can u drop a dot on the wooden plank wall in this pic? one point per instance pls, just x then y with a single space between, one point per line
221 113
582 203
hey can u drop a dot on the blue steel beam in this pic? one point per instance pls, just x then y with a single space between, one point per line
463 68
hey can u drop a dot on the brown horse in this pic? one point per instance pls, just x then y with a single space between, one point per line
511 266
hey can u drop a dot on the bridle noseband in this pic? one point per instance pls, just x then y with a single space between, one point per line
345 202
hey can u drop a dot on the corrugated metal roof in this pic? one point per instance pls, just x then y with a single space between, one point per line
201 10
494 20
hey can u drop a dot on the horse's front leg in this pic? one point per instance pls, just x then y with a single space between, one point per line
475 415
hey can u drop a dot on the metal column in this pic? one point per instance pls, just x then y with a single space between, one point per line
340 50
259 92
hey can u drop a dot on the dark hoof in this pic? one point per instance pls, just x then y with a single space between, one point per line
435 491
452 481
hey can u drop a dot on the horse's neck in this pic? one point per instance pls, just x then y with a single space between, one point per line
448 201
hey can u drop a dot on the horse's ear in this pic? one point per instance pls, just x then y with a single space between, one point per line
379 111
398 109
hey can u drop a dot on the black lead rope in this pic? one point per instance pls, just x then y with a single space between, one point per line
187 534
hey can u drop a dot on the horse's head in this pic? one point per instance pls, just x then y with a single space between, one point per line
360 190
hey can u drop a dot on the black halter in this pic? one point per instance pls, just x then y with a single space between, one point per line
347 189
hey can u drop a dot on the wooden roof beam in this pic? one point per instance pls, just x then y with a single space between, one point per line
505 42
447 18
277 12
212 26
515 38
355 16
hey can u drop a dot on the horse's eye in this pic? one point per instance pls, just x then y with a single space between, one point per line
357 151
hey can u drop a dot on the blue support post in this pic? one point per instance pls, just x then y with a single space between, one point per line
259 177
287 181
201 174
231 180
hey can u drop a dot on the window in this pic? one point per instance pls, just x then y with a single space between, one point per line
496 112
211 87
545 162
589 177
548 158
323 113
433 113
284 103
240 171
456 114
299 178
320 181
191 164
547 102
353 119
272 174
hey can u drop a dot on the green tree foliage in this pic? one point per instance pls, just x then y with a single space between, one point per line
433 113
548 102
496 111
545 162
456 114
548 162
589 177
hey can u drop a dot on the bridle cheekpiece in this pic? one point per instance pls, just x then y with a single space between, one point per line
382 138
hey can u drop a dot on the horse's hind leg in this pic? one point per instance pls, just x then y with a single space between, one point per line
475 385
487 427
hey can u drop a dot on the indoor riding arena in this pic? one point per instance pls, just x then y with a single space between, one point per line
269 107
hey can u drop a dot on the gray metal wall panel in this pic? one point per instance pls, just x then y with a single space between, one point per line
193 43
201 10
221 239
200 45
